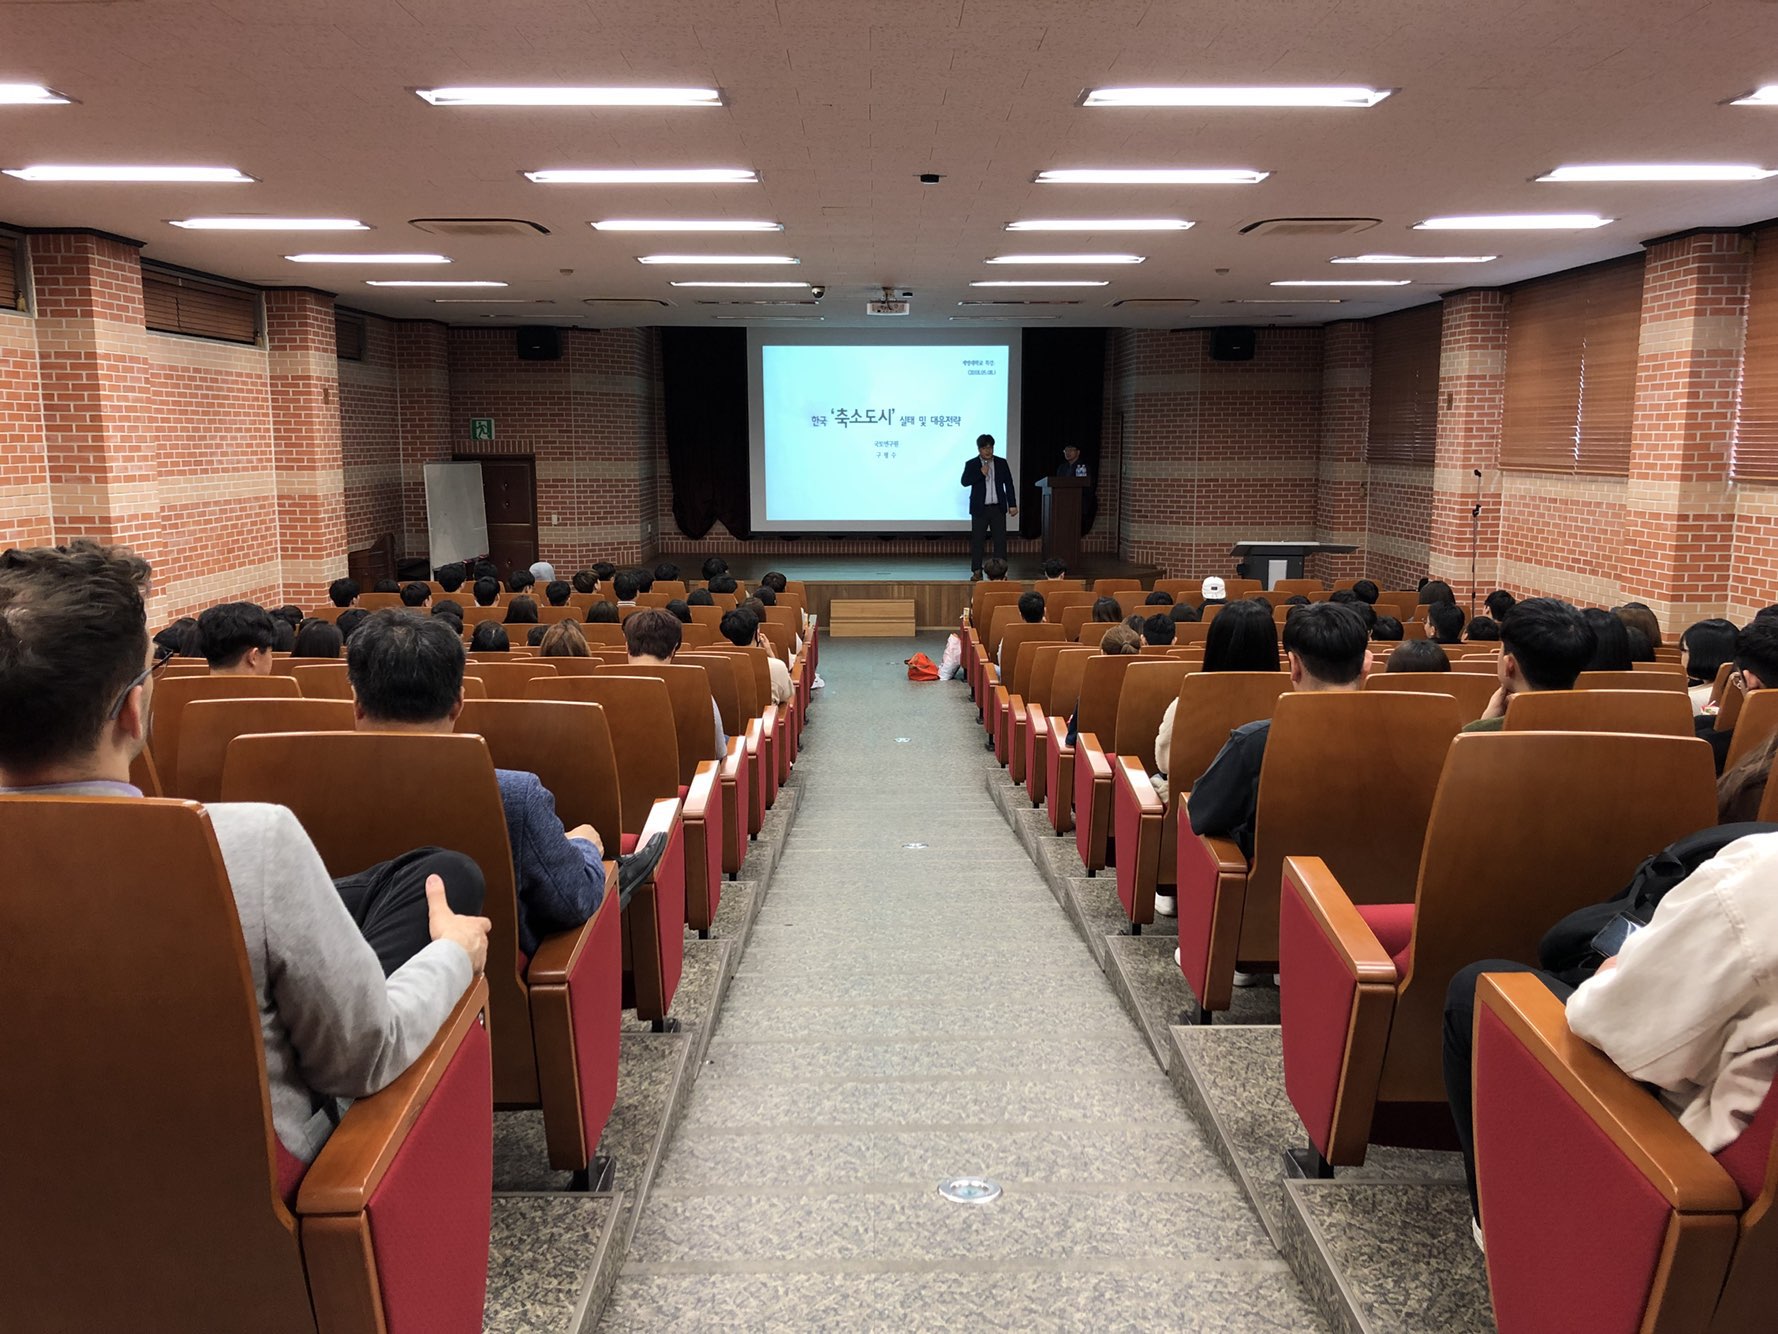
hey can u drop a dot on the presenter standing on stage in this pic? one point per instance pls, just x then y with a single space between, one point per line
992 497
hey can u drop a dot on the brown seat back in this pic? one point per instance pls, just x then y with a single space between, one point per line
1072 619
1471 690
1037 665
697 636
1285 588
688 688
567 745
1650 712
1149 687
639 716
759 664
548 615
1000 619
474 615
673 588
1092 633
1661 678
211 724
604 634
1112 587
788 617
723 675
1181 588
326 681
710 616
135 1102
564 665
782 639
508 680
1757 721
167 708
287 665
1014 640
1101 685
1056 604
1242 588
1211 705
987 595
652 600
1064 585
1064 692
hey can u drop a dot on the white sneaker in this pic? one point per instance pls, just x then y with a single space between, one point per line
817 683
1475 1230
1250 979
1166 905
1176 958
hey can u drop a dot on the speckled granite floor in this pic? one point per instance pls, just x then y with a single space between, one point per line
903 1014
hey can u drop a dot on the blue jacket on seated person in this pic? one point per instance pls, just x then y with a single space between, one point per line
561 881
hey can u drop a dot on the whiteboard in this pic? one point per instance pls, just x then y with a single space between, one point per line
456 513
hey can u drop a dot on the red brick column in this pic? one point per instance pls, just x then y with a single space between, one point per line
1679 506
308 467
1340 469
1471 384
25 510
423 409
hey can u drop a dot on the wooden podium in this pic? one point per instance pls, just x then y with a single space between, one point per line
1063 501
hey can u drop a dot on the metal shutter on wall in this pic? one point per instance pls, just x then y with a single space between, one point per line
174 303
1404 386
348 336
12 272
1755 457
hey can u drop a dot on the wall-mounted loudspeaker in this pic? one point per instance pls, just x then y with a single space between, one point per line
1234 343
545 344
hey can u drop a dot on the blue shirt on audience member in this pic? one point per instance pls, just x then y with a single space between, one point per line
561 881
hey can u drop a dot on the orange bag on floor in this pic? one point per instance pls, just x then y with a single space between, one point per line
922 668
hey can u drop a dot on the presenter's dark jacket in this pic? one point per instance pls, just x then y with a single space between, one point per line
1076 469
978 485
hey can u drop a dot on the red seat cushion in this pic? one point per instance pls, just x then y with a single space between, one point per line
627 844
1746 1159
1393 926
291 1171
684 791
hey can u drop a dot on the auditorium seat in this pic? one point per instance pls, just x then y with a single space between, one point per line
327 680
331 613
1056 604
209 725
1072 619
508 680
1092 633
167 709
710 616
380 601
1037 668
145 1189
1003 696
1101 682
144 777
286 665
1148 688
1110 587
1755 723
671 588
1181 589
1610 1186
1286 588
1660 678
776 724
1525 828
739 767
548 615
652 600
1471 690
1059 699
1650 712
474 616
1064 585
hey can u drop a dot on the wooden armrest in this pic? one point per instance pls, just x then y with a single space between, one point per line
1086 747
1338 919
355 1158
1227 855
1038 721
557 954
1058 728
736 756
1634 1120
700 793
661 818
1148 801
755 733
991 676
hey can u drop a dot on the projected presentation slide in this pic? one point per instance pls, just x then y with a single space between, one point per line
874 435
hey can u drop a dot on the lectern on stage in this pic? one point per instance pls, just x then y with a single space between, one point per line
1271 561
1063 501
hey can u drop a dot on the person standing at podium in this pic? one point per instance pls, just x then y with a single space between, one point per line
992 497
1073 465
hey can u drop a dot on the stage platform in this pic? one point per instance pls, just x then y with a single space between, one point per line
938 585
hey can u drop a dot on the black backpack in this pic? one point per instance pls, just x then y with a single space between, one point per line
1567 950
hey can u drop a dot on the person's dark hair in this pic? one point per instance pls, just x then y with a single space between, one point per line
349 620
666 572
486 592
774 581
1386 630
1756 649
724 583
1157 630
563 640
534 636
522 610
318 639
192 646
405 669
644 579
282 635
679 610
653 634
1498 603
1423 582
1639 617
984 441
1297 600
1549 640
1054 569
1435 590
1106 609
1242 638
73 638
1134 621
1418 655
447 607
1158 598
1329 640
1611 643
1482 629
1342 595
993 568
519 580
386 586
1262 600
739 627
1741 790
451 577
584 581
626 585
414 594
1705 646
602 613
1445 621
604 570
699 597
291 614
713 566
1640 649
1365 591
1183 611
1120 641
231 630
1031 607
765 596
489 637
174 638
558 592
485 569
1366 612
341 591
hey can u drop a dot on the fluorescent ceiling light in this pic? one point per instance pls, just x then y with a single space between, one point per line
644 176
683 225
1339 282
135 174
30 95
1152 176
269 224
1333 95
1037 282
1100 225
490 301
571 97
315 258
733 284
421 282
717 259
1065 259
1658 171
1412 259
1281 301
1514 222
1764 96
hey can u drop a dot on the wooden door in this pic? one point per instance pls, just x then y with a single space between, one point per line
509 486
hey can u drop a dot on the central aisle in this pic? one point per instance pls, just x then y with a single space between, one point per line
905 1014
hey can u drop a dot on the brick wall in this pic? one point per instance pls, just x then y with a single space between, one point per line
25 510
370 438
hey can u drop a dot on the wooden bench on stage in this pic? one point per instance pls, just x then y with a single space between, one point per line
871 618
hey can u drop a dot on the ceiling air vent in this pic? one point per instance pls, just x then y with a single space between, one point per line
1309 226
707 302
619 302
480 227
1017 303
1154 303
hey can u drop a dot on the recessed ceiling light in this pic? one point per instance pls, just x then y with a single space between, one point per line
644 176
1514 222
30 95
1038 282
1342 282
1065 259
1412 259
1152 176
1658 171
1100 225
1283 301
491 301
1333 95
421 282
315 258
717 259
139 175
714 283
1764 96
684 225
571 97
269 224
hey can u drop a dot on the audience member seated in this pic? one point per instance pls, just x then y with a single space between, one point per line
680 610
558 592
1157 630
724 583
1638 616
1134 621
520 581
1158 598
666 572
486 592
1498 603
585 581
604 571
489 637
1640 649
407 676
1118 640
741 628
416 595
1703 649
1030 612
1434 591
1387 630
1213 592
1420 655
343 592
451 577
282 635
290 615
1756 668
994 569
1366 592
653 638
522 610
386 586
1611 642
349 620
1444 623
602 613
1299 600
765 595
1106 610
1055 569
1242 638
353 981
699 597
1340 595
318 639
1482 630
485 569
1328 651
1741 790
1544 645
542 572
563 640
182 637
626 586
644 579
534 636
237 638
713 566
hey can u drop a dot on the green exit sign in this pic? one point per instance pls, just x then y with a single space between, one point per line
481 428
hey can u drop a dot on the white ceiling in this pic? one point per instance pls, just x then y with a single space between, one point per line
840 104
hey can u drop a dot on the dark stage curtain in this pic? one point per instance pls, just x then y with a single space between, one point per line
704 374
1062 403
